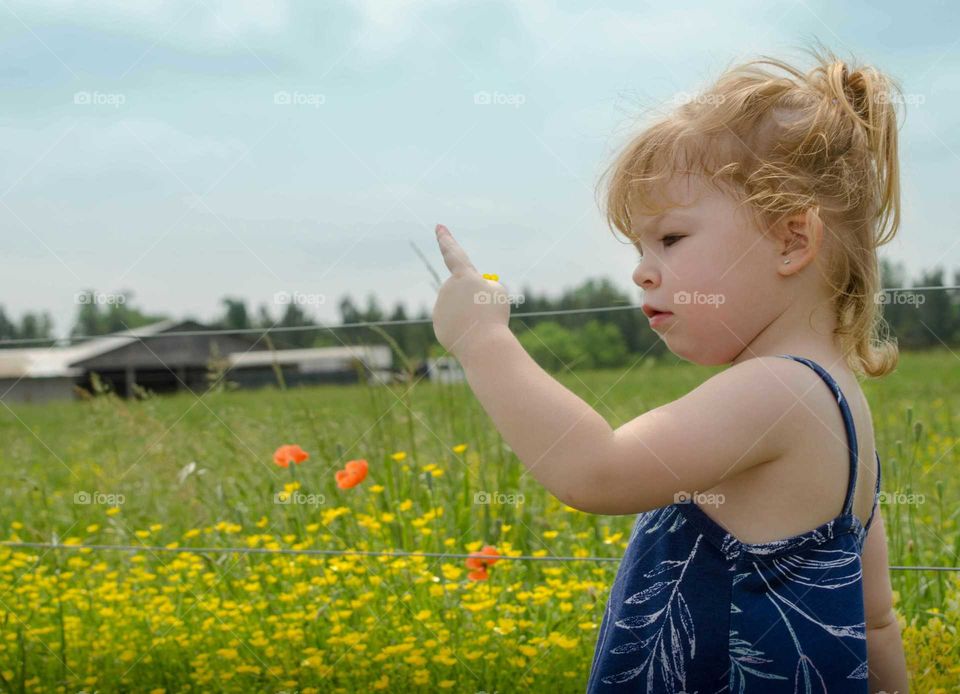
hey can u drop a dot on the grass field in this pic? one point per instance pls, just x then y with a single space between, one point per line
182 471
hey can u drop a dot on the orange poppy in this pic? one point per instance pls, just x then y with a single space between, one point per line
289 453
353 473
479 561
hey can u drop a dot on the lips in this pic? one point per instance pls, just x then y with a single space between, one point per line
649 311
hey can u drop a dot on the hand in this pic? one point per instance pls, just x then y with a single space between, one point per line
468 307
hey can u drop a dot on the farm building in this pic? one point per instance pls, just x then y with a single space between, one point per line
445 369
169 356
309 366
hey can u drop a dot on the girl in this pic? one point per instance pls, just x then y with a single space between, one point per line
757 562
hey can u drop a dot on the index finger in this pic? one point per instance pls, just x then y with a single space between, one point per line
454 256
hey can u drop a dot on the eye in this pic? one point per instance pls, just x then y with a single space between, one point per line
675 237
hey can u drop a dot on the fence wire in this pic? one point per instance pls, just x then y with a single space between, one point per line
336 552
347 552
362 324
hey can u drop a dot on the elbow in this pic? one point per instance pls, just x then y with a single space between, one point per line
577 499
583 494
882 620
599 494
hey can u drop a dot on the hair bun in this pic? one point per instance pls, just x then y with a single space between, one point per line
853 82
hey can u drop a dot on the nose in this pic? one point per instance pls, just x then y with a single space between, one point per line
645 275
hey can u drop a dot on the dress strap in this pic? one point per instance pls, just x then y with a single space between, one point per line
876 496
848 425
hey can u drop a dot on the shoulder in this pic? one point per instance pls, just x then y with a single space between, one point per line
773 383
747 415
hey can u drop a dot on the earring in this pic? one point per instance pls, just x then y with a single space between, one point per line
787 261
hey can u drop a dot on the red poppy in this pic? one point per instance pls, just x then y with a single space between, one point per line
353 473
478 575
289 453
479 561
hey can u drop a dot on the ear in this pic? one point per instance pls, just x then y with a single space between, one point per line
799 237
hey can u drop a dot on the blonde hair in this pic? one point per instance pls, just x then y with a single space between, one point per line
823 141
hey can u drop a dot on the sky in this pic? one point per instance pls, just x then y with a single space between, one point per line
184 151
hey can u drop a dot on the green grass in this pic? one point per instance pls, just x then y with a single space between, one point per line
51 453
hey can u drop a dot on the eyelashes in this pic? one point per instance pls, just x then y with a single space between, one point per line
668 240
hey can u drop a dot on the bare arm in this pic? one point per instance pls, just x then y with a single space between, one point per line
725 426
732 422
885 657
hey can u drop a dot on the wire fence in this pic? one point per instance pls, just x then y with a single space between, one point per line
346 552
333 552
362 324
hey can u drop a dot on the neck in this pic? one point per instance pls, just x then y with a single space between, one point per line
805 329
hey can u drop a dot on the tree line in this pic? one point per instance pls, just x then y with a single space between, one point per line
917 319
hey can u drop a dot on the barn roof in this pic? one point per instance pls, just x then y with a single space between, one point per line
57 361
67 361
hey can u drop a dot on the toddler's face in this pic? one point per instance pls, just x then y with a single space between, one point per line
709 265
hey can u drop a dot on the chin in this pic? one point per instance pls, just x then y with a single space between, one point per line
714 355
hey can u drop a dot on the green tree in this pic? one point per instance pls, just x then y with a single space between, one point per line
602 345
35 326
101 314
8 331
552 346
235 316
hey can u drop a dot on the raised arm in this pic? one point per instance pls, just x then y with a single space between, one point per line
735 420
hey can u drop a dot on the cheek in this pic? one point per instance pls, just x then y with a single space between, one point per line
716 302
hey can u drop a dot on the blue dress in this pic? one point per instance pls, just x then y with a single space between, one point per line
694 610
